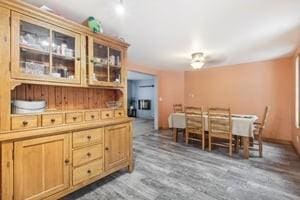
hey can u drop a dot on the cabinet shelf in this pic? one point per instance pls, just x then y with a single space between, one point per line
115 66
100 65
34 50
63 57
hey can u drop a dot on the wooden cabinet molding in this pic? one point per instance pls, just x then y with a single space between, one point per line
4 69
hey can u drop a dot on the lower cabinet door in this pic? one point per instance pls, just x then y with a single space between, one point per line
41 167
116 145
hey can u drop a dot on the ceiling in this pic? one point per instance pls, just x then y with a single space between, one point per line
163 34
136 76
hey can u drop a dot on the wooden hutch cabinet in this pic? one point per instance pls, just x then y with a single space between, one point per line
83 133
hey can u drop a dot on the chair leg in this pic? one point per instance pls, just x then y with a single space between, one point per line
240 139
251 142
209 142
260 145
203 141
230 146
186 137
175 134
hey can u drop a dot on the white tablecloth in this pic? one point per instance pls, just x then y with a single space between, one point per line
242 125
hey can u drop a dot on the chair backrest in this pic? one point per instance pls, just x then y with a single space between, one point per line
194 118
265 117
219 121
177 108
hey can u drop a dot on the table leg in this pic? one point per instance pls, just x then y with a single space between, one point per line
236 145
175 134
246 147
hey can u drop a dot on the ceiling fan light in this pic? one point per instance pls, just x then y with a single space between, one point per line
197 60
197 64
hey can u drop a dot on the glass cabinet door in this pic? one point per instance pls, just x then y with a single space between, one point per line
115 66
63 56
34 49
100 61
44 52
105 66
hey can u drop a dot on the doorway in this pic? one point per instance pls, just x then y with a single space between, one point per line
142 97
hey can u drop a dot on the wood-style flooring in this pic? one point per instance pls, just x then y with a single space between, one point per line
165 170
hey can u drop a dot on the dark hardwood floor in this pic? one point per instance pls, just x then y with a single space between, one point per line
167 170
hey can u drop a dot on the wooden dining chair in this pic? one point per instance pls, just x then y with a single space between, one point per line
177 108
194 125
258 131
220 126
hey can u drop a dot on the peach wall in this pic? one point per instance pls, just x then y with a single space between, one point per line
247 89
295 131
170 89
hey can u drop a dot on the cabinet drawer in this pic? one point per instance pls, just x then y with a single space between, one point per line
23 122
107 114
85 155
52 119
87 171
119 113
91 136
73 117
91 115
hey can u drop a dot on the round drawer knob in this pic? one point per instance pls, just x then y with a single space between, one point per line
25 123
92 116
67 161
52 120
74 118
120 113
88 154
106 148
89 171
107 115
89 137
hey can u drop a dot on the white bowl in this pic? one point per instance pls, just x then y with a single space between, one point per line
21 107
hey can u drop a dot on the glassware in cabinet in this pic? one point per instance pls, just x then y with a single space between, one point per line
63 56
115 66
34 49
43 52
100 63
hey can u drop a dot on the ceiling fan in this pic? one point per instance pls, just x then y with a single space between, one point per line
199 59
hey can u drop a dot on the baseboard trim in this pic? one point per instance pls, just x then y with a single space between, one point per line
277 141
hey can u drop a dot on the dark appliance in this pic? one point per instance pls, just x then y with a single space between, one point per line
144 104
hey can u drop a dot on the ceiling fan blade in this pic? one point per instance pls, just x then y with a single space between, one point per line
215 59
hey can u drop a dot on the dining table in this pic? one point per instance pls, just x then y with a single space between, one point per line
242 125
